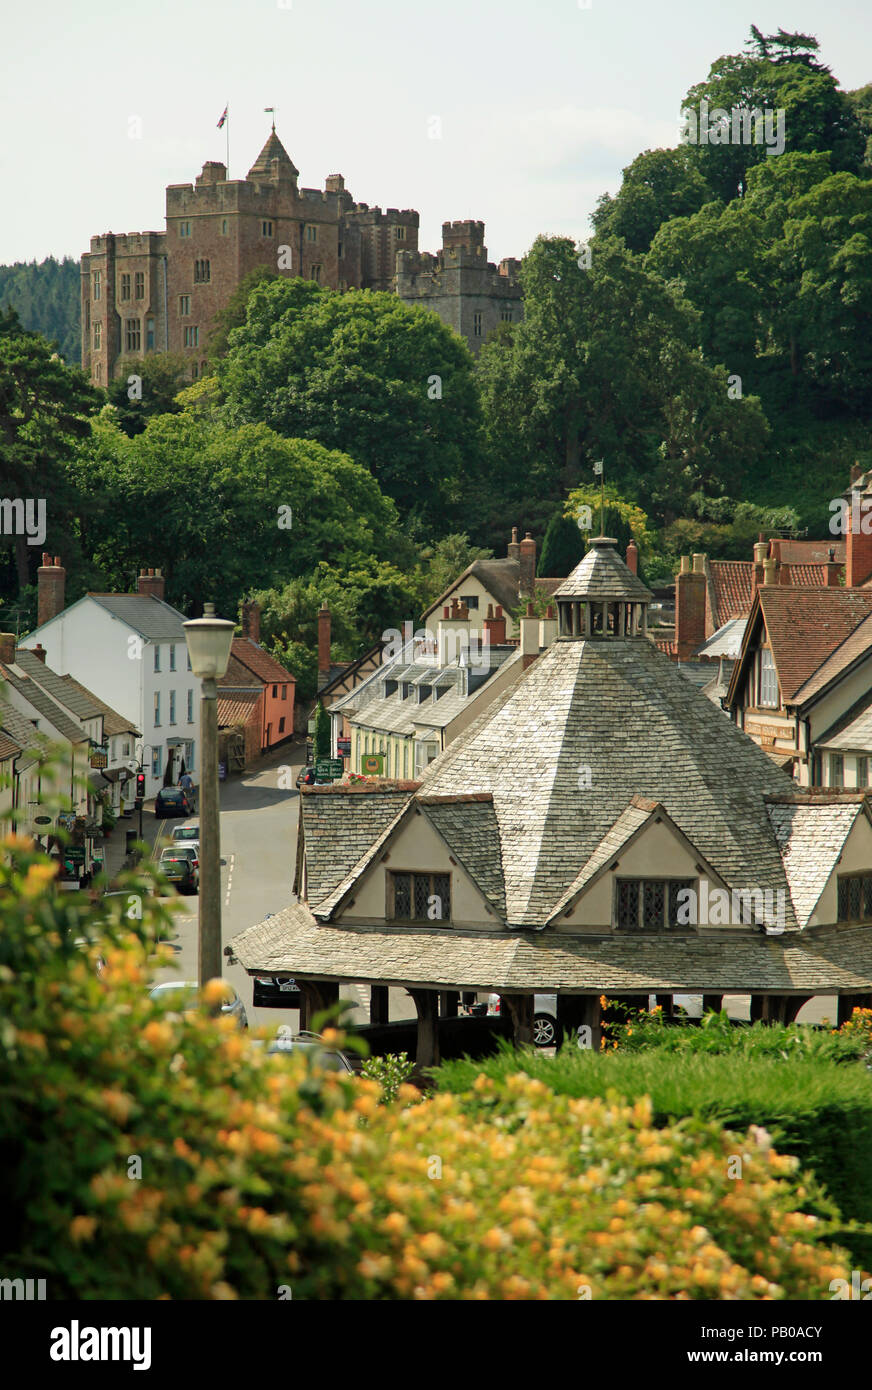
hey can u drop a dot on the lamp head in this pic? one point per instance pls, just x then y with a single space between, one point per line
209 641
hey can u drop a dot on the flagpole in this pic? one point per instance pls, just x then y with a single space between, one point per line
227 137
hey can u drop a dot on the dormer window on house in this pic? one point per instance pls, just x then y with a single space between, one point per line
650 904
424 897
407 689
424 693
390 687
767 679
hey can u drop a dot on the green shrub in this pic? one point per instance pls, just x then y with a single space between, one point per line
818 1111
146 1154
390 1072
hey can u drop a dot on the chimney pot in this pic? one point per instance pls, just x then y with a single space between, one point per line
514 549
768 572
633 557
39 651
527 558
699 564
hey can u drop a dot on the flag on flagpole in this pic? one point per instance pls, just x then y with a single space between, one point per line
224 116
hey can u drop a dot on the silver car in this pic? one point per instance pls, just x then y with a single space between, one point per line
546 1030
183 995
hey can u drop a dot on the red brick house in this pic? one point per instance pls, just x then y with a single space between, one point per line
256 692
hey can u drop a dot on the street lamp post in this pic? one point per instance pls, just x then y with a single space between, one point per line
209 640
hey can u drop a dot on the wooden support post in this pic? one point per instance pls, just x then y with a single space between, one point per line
792 1005
448 1001
849 1002
667 1004
712 1003
378 1004
427 1007
318 995
768 1008
520 1007
580 1011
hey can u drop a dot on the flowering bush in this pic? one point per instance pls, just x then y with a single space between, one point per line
390 1072
146 1154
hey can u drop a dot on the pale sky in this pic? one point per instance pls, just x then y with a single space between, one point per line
541 102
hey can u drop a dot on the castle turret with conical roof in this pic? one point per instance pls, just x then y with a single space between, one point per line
274 162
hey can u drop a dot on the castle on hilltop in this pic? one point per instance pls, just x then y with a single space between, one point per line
148 292
468 292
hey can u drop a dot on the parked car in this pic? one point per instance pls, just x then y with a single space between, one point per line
276 992
173 801
183 996
328 1058
547 1032
307 776
187 834
182 867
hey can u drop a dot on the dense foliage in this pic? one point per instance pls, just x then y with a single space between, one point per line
46 297
146 1154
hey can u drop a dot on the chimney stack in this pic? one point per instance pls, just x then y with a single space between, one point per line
514 550
547 628
495 626
39 650
323 644
761 553
8 643
633 557
529 637
51 578
859 559
834 569
527 581
689 607
151 582
251 620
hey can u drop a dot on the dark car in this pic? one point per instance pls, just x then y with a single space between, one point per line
173 801
276 992
307 776
189 852
180 869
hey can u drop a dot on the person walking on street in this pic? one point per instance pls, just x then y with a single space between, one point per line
186 782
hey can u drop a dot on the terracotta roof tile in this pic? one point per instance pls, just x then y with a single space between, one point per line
806 627
236 707
258 662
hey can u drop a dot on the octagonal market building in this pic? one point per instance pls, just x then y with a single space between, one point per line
601 829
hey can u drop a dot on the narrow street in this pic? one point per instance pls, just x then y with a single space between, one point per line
258 847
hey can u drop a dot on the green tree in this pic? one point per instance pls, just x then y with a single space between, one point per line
562 547
775 72
234 311
158 379
605 365
44 412
443 562
224 509
47 299
321 741
389 385
659 185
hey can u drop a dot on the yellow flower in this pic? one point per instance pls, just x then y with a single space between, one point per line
82 1228
157 1034
215 992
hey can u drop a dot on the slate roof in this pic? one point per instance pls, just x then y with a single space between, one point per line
805 628
44 706
8 747
472 833
339 829
602 574
811 838
75 698
852 733
19 729
727 641
820 961
260 663
151 617
113 722
619 707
